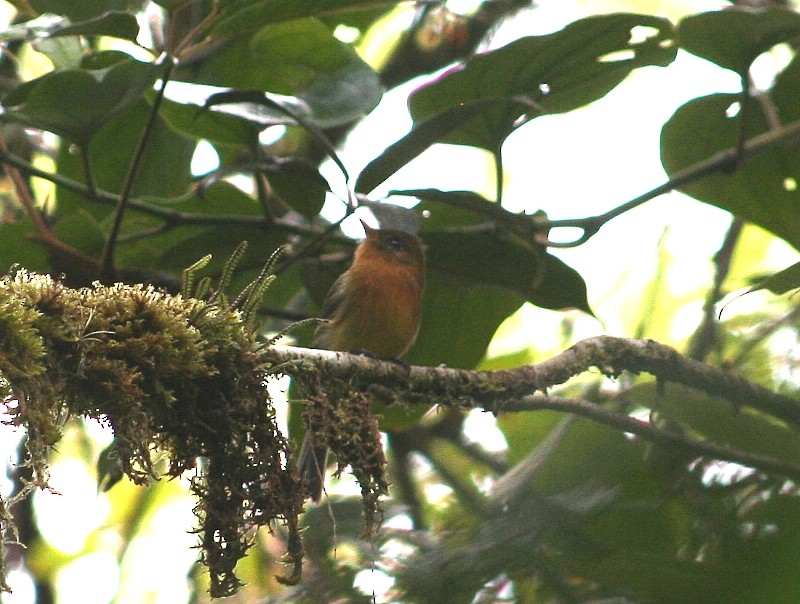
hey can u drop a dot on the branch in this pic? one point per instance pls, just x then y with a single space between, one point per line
721 161
492 390
649 432
514 389
172 217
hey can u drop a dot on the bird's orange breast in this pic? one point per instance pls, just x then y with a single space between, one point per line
380 310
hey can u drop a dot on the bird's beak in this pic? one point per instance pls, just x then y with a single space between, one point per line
367 229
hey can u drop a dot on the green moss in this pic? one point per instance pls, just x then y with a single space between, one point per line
172 374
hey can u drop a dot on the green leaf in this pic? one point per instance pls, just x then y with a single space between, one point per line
556 73
459 320
222 199
424 134
484 258
240 17
299 58
447 209
18 245
220 243
77 103
213 126
735 38
65 52
761 189
84 10
299 184
718 421
164 171
781 282
113 23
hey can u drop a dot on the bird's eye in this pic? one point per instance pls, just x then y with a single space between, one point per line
396 243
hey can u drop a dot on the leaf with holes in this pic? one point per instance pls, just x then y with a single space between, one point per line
556 73
761 189
734 39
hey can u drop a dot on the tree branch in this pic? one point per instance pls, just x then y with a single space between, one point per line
492 390
514 389
173 217
651 433
719 162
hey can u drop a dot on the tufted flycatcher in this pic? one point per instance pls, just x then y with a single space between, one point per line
374 306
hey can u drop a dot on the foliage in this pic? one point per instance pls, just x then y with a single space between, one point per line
97 148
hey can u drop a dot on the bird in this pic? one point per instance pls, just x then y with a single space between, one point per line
374 307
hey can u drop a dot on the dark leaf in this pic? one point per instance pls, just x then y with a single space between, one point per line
299 184
762 189
424 134
84 10
484 258
240 17
555 73
77 103
213 126
781 282
734 38
300 58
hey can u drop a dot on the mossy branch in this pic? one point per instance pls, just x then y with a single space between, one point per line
182 376
514 389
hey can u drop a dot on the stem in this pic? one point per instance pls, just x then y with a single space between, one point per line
720 161
88 172
107 259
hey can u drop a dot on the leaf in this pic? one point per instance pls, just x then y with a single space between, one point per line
735 38
299 184
718 421
64 52
781 282
459 320
452 208
84 10
262 109
483 258
18 246
213 126
114 23
762 188
164 171
300 58
220 241
424 134
77 103
240 17
255 100
556 73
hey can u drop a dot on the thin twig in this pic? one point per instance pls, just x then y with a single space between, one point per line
88 172
107 259
173 217
705 336
720 161
654 434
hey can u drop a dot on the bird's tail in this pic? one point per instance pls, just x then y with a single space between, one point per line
312 462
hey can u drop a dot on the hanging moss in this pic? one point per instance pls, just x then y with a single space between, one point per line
175 374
